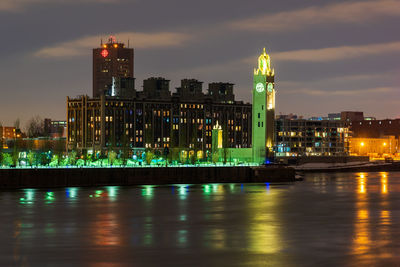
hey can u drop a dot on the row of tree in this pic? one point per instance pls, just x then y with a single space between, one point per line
17 156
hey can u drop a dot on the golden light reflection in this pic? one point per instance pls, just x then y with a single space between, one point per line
384 230
265 232
106 230
218 238
385 217
362 235
362 184
384 183
362 241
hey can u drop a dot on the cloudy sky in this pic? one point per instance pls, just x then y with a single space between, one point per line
328 56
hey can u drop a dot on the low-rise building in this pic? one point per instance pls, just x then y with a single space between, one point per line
374 147
300 137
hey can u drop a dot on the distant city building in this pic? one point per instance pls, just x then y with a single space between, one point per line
352 115
375 128
289 116
374 147
7 132
334 116
369 136
55 128
310 137
112 59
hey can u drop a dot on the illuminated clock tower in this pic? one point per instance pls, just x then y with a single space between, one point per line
263 132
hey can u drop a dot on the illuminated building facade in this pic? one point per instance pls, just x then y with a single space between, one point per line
9 132
112 59
155 118
300 137
374 147
374 137
263 111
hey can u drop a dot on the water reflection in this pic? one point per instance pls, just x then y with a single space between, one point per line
257 224
183 191
384 183
49 197
148 231
361 241
106 230
112 192
72 192
265 227
29 196
182 238
147 191
368 235
362 183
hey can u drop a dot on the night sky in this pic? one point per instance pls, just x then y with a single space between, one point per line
328 56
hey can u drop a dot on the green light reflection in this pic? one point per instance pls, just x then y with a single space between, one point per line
112 192
72 192
49 196
29 196
206 189
232 187
147 191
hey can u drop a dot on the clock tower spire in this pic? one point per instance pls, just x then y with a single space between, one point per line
263 111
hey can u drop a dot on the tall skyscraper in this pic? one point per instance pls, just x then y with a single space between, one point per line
263 110
112 59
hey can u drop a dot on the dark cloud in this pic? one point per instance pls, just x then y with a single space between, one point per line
326 58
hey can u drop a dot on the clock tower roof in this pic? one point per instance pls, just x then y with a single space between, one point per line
264 65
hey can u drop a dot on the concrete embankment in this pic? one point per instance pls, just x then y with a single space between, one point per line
65 177
383 167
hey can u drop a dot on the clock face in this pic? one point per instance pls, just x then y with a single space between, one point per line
270 87
259 87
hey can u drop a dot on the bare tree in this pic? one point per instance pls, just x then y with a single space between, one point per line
1 143
35 127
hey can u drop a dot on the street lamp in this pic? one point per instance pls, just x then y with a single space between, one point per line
361 146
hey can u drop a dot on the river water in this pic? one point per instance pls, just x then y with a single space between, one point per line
349 219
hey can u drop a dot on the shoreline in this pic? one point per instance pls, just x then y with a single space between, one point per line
382 167
126 176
